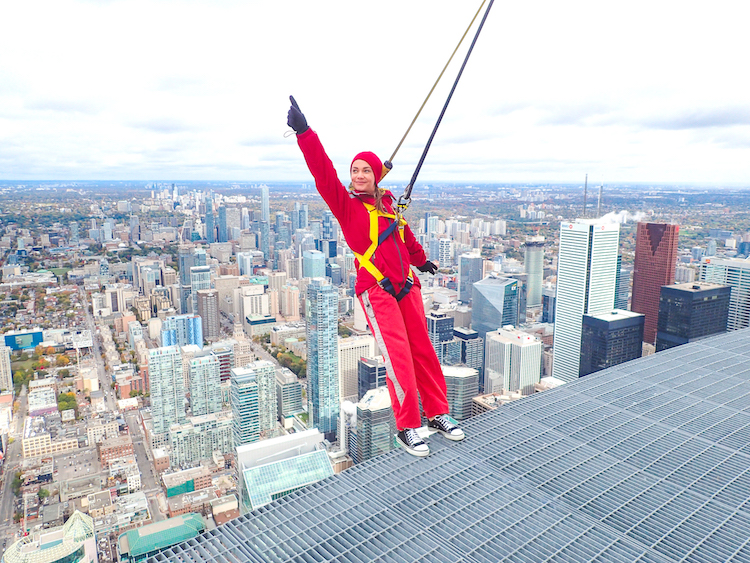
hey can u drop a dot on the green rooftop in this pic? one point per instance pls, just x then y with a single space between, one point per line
137 544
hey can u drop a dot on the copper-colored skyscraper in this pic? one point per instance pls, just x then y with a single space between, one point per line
655 258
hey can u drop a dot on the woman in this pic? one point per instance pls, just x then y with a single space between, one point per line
385 249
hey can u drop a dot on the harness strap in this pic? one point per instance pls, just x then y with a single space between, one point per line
376 239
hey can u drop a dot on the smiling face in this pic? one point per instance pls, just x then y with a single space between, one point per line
363 178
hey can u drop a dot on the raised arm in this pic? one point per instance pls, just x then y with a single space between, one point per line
326 180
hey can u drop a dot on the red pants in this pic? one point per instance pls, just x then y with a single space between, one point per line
400 329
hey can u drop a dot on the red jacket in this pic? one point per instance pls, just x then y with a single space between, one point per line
394 257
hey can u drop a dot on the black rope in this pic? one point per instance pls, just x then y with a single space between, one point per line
405 199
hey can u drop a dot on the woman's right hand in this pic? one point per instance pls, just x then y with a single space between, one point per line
295 119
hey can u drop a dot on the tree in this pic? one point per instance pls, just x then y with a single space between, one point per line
43 494
62 360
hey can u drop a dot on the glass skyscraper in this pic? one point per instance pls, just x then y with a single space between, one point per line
321 314
205 385
167 387
586 280
494 304
253 399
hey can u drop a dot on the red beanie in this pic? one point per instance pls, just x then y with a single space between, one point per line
372 159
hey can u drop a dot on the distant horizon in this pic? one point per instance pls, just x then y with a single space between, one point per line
309 184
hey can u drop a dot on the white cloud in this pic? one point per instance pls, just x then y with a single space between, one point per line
165 89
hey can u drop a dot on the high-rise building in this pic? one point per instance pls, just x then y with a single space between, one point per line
471 347
623 285
74 237
462 384
512 361
265 210
182 330
313 264
376 425
470 270
200 437
187 257
223 224
245 410
200 278
655 260
205 383
440 331
533 265
167 387
6 374
371 374
494 304
210 223
321 314
350 351
586 279
288 393
265 240
609 339
208 311
254 402
736 274
691 311
548 304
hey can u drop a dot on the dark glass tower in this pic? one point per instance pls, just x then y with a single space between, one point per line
691 311
608 339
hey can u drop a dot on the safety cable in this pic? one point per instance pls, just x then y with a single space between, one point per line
405 199
390 160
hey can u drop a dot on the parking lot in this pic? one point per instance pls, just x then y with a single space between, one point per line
81 463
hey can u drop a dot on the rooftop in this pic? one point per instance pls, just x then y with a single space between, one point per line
646 461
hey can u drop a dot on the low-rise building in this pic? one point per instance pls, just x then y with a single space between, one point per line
186 481
116 448
139 544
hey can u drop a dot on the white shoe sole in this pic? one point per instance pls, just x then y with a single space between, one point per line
454 437
412 451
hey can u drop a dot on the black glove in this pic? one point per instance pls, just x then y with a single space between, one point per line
295 119
428 268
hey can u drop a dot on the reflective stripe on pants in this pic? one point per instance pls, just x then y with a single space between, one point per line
412 367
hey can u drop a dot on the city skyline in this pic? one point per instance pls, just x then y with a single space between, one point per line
184 94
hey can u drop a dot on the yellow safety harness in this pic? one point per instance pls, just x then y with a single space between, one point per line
376 239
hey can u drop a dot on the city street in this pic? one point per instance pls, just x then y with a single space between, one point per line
105 381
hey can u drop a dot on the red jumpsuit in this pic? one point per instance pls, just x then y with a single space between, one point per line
399 327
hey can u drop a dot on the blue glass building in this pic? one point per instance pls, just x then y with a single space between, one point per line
321 314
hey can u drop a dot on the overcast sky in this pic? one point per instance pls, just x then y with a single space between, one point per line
638 91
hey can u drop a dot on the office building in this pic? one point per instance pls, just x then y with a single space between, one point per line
254 402
321 314
208 311
6 374
462 384
655 260
622 285
288 393
376 425
608 339
210 223
736 274
167 387
182 330
512 361
471 347
470 270
586 279
494 304
200 278
188 257
205 385
548 304
371 375
350 351
313 264
440 331
691 311
533 266
200 437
